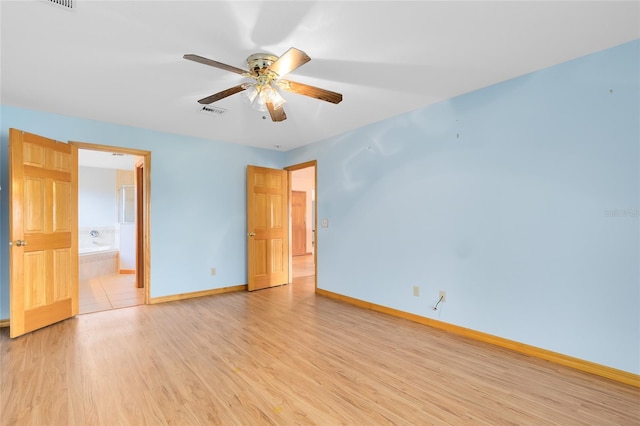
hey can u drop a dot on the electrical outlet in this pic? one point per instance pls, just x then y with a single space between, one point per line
416 290
213 271
443 296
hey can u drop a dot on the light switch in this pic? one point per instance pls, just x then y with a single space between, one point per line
325 223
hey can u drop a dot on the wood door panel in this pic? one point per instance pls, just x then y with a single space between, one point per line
61 206
34 193
258 180
34 155
276 212
38 242
38 172
260 259
260 206
46 315
267 227
43 176
277 255
35 295
60 161
43 153
61 273
275 181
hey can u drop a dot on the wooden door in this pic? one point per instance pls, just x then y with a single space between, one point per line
267 228
139 184
298 223
43 230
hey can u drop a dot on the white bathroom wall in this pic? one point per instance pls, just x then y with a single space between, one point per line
127 246
127 234
96 197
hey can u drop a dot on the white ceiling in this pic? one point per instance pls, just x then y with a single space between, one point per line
121 61
106 160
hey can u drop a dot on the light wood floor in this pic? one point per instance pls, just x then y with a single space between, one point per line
303 266
285 356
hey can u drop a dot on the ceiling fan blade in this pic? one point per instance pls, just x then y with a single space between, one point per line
312 91
221 95
276 114
289 61
216 64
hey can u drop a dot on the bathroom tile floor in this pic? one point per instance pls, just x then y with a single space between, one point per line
109 292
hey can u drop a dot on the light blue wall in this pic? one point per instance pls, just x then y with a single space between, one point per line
197 199
520 200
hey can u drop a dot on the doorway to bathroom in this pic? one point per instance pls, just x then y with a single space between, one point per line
112 227
302 209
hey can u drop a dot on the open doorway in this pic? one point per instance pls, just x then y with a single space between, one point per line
303 222
111 227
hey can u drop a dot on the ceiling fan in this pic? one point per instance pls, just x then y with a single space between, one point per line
266 69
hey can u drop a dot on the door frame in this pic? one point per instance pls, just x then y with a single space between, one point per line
140 180
145 215
290 169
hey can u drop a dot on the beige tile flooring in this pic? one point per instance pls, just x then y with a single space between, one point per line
109 292
119 290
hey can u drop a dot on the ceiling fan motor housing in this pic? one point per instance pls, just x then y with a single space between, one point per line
259 62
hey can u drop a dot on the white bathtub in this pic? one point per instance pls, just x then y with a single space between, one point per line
94 249
95 261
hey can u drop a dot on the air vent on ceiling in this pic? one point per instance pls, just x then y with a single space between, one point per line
213 110
65 3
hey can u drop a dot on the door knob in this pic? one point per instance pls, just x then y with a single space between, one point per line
252 234
21 243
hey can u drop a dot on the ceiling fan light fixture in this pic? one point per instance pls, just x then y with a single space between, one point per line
250 93
263 93
259 95
275 97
